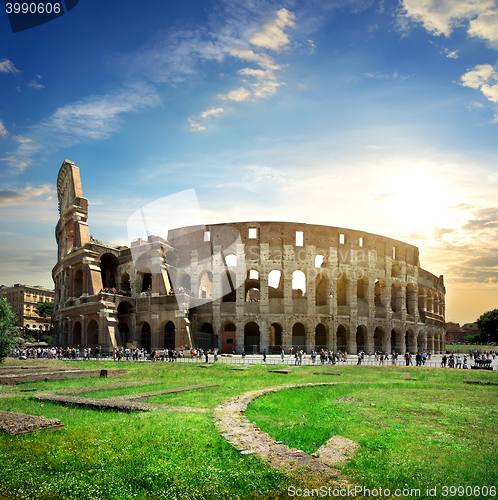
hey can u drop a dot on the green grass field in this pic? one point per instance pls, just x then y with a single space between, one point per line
432 431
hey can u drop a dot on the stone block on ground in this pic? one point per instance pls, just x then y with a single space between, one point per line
20 423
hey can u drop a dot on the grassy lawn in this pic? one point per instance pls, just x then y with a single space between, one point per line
426 432
468 348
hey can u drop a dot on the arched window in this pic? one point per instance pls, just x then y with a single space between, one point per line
231 260
298 284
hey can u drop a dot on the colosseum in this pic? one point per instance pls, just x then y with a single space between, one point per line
242 285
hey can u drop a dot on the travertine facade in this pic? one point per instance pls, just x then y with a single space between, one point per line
249 285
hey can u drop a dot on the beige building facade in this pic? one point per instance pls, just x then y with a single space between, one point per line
243 285
23 300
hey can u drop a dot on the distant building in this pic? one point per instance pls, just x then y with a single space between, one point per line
454 333
23 300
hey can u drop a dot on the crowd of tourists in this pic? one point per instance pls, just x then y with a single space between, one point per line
115 291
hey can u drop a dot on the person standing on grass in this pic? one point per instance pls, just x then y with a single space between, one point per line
264 355
207 355
300 357
282 355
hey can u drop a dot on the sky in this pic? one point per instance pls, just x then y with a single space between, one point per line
373 115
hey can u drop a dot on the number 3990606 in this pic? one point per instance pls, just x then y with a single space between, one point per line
33 8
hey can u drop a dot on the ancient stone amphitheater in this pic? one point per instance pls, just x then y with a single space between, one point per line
242 285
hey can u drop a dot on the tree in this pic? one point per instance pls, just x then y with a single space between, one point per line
7 330
488 323
45 309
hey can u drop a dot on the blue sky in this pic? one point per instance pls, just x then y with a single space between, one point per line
374 115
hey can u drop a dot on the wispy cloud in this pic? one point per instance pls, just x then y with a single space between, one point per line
195 126
94 118
3 131
27 196
452 54
385 76
34 84
272 35
7 66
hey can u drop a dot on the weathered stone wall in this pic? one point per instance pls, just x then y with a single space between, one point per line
245 285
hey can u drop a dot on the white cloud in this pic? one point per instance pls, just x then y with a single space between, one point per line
212 112
3 131
441 17
7 66
35 85
272 35
493 177
257 73
21 139
28 195
451 54
263 60
93 118
486 28
483 76
196 127
240 94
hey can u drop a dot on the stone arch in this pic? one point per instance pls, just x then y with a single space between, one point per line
429 303
169 335
321 341
92 333
411 341
362 296
397 341
276 337
124 308
322 290
78 283
342 290
124 332
342 338
421 341
206 285
228 337
380 292
361 338
275 284
229 286
145 336
430 342
205 337
231 260
252 286
411 299
396 303
109 270
77 333
298 284
125 282
252 337
146 279
186 283
299 336
379 339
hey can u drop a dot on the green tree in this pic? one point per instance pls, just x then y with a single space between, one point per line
488 323
45 309
8 330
